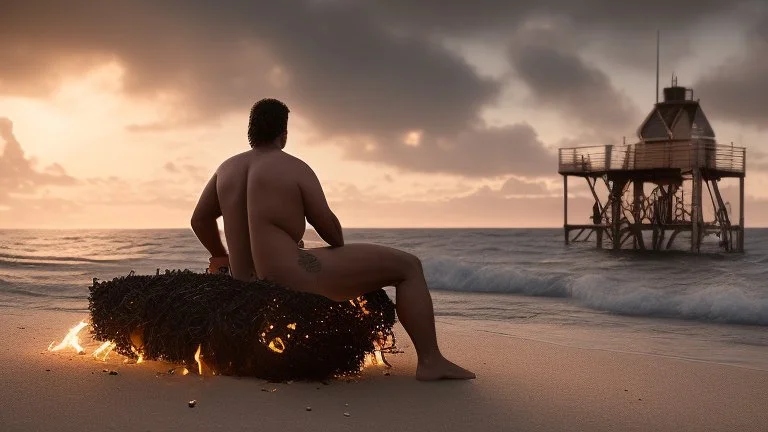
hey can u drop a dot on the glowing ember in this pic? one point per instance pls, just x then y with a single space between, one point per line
139 354
292 326
71 339
197 359
277 345
362 302
103 351
185 371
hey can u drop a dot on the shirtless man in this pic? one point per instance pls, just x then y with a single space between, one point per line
264 195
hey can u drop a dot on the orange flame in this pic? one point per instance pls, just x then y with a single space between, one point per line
374 359
140 355
71 339
103 351
197 359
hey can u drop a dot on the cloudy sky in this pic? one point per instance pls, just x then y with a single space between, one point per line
413 114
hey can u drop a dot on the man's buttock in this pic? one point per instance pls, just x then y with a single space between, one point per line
302 278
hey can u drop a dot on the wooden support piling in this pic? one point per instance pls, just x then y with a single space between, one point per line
677 171
565 207
740 241
696 211
616 193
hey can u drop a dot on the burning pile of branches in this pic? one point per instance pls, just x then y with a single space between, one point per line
251 329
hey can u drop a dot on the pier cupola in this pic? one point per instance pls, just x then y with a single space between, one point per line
678 118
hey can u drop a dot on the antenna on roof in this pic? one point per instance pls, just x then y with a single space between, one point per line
658 44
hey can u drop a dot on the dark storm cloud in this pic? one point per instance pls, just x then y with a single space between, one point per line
479 152
563 82
349 73
738 91
375 69
334 64
479 16
622 30
164 50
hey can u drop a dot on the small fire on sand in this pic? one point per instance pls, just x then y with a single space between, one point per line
140 355
71 340
197 359
102 352
374 359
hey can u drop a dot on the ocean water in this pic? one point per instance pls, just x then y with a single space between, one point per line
711 307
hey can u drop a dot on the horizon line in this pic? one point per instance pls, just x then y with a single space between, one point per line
308 228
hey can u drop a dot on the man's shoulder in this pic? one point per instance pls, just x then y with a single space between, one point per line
281 161
294 161
233 159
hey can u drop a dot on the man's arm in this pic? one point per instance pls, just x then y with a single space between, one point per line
204 220
316 208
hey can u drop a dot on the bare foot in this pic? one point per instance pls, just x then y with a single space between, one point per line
442 369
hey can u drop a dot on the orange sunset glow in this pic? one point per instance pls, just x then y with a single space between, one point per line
107 128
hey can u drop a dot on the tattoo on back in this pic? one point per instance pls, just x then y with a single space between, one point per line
309 262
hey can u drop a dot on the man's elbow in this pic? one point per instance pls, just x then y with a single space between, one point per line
198 222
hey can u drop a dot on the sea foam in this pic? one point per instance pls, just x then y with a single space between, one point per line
710 302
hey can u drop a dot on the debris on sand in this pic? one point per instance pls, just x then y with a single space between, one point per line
296 335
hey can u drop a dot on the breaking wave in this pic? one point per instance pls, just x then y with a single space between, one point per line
707 302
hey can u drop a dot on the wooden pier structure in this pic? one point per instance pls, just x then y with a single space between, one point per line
652 190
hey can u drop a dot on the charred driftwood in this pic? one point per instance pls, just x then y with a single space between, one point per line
251 329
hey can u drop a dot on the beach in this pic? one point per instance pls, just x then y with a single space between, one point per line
522 385
561 338
573 191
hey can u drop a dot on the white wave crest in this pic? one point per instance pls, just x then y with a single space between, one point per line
713 302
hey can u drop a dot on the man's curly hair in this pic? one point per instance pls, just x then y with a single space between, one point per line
269 120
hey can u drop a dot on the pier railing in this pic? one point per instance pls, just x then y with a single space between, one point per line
685 155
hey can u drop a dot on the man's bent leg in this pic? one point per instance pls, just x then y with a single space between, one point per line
352 270
416 313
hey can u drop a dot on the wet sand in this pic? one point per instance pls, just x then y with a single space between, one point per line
522 385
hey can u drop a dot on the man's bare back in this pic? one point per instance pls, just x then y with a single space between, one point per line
265 196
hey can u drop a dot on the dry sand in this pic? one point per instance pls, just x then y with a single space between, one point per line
522 385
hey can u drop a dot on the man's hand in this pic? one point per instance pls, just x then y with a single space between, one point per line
219 264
